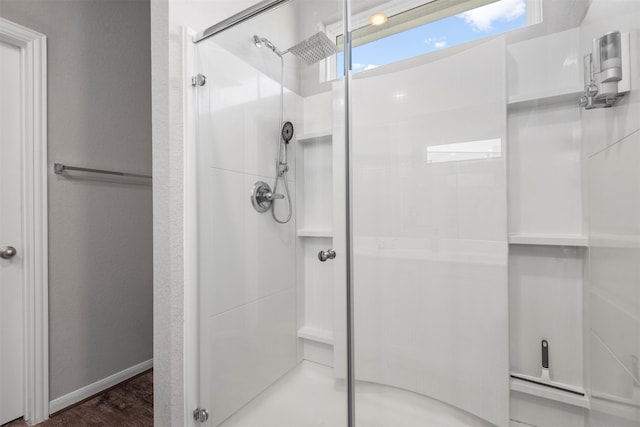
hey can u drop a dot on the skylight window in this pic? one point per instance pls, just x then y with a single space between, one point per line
429 27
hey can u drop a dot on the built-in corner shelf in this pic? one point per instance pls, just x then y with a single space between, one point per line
549 239
318 335
550 393
321 135
314 233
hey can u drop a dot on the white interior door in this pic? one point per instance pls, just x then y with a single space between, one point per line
11 268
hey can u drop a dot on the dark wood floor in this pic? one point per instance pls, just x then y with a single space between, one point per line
127 405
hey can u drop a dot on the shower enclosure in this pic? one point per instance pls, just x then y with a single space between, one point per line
406 218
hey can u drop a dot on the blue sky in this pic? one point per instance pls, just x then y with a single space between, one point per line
494 18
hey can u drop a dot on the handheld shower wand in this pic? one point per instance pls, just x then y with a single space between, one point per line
282 167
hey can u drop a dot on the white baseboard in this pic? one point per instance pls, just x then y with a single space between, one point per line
97 387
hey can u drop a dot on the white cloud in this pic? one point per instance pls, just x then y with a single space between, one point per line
437 42
362 67
483 18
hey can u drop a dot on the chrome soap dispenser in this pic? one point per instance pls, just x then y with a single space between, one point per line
606 71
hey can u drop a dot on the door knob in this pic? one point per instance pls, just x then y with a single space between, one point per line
325 255
7 252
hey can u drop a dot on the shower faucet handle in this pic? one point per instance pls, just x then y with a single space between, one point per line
262 197
271 196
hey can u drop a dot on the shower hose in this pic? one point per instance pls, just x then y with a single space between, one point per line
281 168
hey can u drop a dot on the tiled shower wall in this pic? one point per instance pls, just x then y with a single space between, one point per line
430 230
247 270
612 146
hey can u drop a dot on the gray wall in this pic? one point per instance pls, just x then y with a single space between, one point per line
100 230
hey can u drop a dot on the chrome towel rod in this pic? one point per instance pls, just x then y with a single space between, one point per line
59 168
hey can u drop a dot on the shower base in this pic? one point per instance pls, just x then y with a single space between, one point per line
309 397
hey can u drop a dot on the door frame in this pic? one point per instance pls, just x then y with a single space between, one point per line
33 57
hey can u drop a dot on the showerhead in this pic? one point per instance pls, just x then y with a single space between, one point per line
314 49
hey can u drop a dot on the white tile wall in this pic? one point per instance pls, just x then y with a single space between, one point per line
606 415
545 169
222 219
612 141
614 268
246 349
545 66
317 191
535 411
610 378
318 112
602 127
280 25
545 302
247 273
482 214
318 284
239 115
245 255
618 329
430 238
545 198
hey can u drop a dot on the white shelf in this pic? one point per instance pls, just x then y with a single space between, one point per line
314 233
548 97
616 241
317 335
550 393
315 136
549 239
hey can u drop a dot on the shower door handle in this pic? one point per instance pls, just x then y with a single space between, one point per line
7 252
325 255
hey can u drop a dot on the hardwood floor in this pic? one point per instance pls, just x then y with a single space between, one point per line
129 404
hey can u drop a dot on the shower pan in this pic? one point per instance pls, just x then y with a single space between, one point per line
429 223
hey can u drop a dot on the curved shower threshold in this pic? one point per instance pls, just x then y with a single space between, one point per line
309 396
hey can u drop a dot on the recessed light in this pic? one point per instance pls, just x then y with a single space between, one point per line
378 19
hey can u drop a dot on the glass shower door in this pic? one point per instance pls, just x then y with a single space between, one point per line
247 271
265 190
